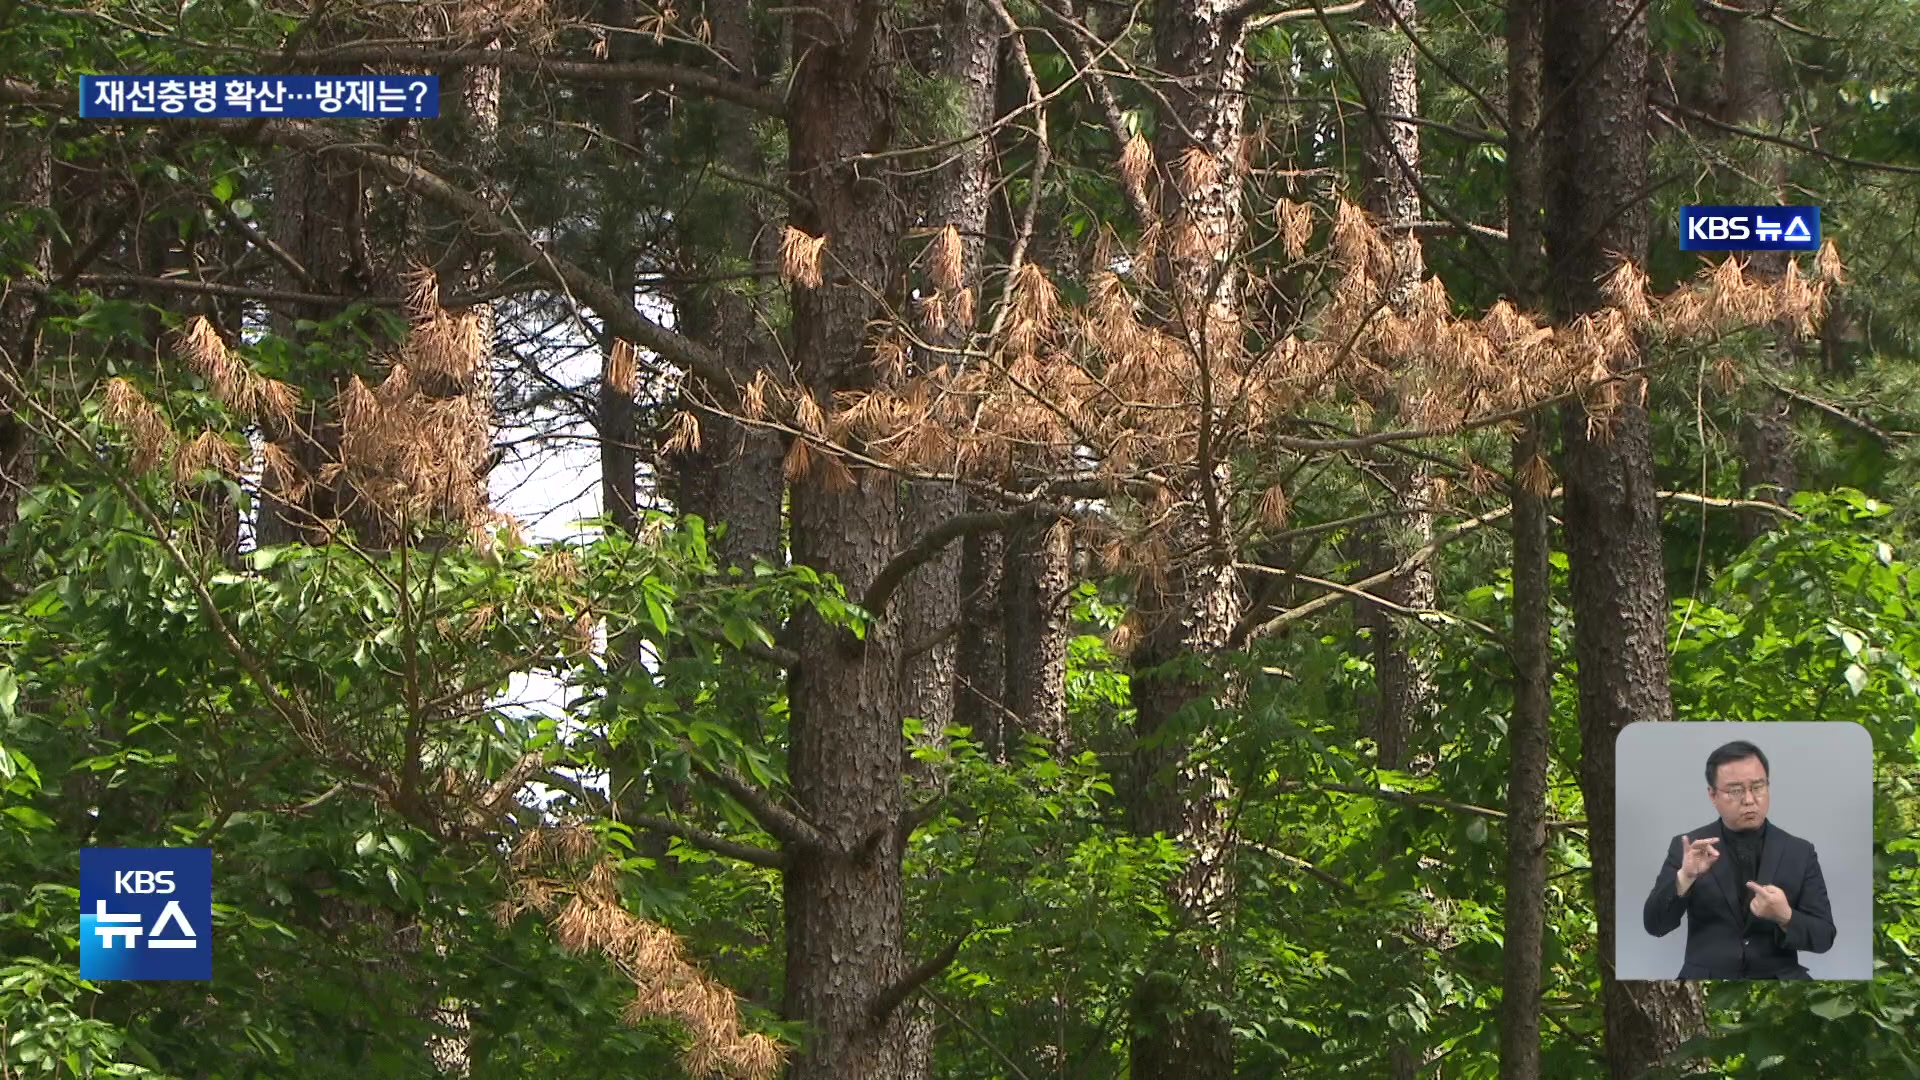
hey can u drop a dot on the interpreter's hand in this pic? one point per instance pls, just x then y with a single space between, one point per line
1769 903
1697 857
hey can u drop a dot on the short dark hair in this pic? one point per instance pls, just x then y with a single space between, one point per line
1737 750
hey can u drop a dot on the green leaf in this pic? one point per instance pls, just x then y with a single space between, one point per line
9 692
28 816
242 208
1832 1008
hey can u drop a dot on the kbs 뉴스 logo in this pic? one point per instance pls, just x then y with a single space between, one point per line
146 913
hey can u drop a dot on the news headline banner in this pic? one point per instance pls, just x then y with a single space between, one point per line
297 96
1750 228
146 913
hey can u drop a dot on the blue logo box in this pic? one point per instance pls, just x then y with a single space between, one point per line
300 96
1750 228
146 913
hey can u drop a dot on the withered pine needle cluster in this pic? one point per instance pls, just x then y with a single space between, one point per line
1118 387
413 446
561 873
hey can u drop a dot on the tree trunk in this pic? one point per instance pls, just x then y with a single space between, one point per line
1190 607
320 216
1529 729
1038 574
1751 66
1596 161
31 162
965 55
734 478
1529 741
469 267
1392 88
1391 85
980 678
843 899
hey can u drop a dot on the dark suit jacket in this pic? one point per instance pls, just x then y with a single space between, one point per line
1717 914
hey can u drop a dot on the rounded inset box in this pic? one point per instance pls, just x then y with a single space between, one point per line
1743 851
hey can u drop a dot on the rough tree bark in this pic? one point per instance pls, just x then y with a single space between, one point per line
1390 83
1529 727
734 477
1595 146
980 675
469 267
1751 64
843 895
614 413
321 217
965 54
1392 86
1189 607
1034 587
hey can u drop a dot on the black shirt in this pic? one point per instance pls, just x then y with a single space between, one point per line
1747 847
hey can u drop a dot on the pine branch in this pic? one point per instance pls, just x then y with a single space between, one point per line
1836 412
1791 144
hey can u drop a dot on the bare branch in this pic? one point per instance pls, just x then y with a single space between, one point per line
1103 95
1379 601
1417 798
1246 632
1298 863
891 998
1247 8
700 838
500 794
1728 504
265 243
1018 1072
772 654
783 823
275 296
930 544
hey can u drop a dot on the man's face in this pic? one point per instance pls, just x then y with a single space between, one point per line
1740 793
